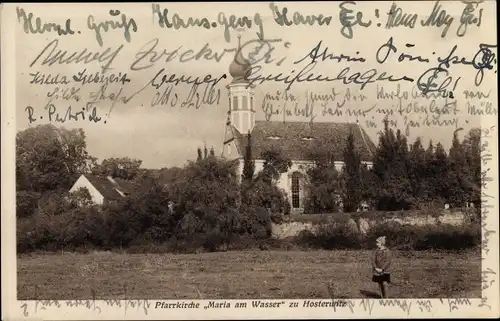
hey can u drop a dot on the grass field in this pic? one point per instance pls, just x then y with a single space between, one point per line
246 275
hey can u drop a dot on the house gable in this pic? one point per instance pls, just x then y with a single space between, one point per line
101 189
83 182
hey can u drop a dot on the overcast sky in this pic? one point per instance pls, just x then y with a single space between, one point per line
164 136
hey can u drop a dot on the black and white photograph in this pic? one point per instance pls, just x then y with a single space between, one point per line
282 156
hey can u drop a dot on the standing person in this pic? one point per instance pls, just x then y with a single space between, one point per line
381 264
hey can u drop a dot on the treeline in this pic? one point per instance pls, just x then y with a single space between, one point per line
404 176
205 205
201 205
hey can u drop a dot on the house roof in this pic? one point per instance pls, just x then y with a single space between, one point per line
107 188
297 139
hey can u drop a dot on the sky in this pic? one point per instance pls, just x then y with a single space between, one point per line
164 136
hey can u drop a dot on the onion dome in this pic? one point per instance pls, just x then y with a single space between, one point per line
239 66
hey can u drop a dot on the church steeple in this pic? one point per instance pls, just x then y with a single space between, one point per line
239 66
241 113
241 95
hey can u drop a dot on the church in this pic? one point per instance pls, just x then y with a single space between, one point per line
293 138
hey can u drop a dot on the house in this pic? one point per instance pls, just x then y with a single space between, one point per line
294 139
102 189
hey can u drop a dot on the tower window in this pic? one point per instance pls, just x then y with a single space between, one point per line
251 103
235 103
296 190
244 103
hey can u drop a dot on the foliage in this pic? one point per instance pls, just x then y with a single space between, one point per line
391 166
203 204
81 197
275 164
26 203
248 161
333 234
48 158
352 194
323 185
121 167
340 234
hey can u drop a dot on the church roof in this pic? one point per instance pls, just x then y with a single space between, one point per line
297 139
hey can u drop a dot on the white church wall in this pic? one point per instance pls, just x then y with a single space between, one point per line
285 181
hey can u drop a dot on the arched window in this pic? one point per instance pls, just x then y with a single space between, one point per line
296 190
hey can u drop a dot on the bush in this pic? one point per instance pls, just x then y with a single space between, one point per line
340 234
333 234
79 227
441 236
26 203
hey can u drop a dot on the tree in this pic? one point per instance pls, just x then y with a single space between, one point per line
200 156
275 164
472 148
324 184
391 169
121 167
440 170
205 197
49 158
459 175
352 176
248 161
418 173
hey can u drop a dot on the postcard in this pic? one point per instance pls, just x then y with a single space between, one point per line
214 160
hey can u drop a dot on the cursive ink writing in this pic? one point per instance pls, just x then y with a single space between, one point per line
306 75
230 22
384 51
315 54
262 51
430 81
40 78
66 94
348 20
147 55
209 96
234 22
438 18
485 108
51 55
83 78
297 19
483 59
88 113
102 95
468 18
41 27
177 21
158 81
125 23
396 17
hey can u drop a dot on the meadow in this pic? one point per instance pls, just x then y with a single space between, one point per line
248 274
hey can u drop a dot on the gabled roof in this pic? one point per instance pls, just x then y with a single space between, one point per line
108 189
297 139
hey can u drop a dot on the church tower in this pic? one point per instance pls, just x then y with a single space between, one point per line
241 113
